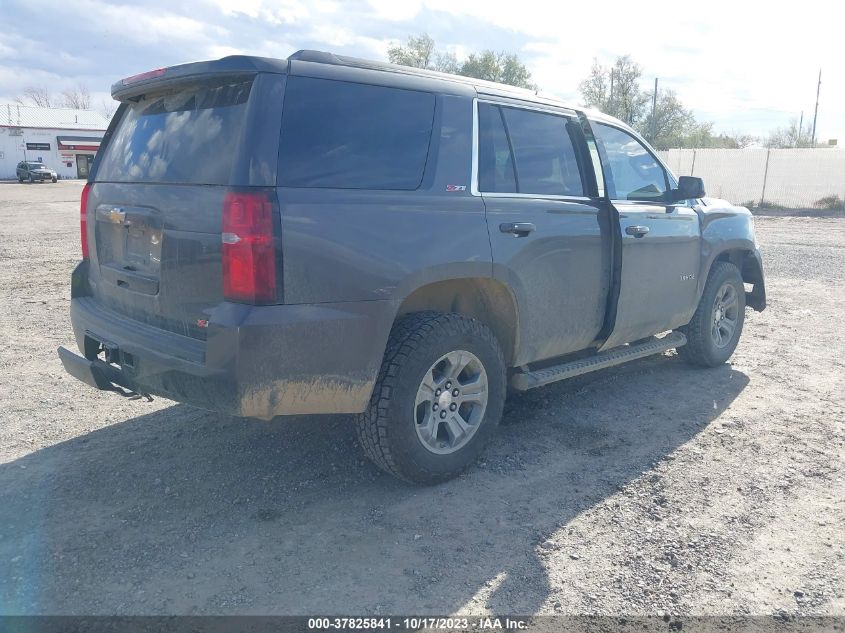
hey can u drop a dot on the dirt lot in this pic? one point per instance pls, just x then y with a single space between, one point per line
651 487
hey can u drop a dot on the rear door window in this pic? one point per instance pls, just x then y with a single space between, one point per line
186 136
353 136
495 160
526 151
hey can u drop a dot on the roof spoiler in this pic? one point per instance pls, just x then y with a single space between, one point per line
134 87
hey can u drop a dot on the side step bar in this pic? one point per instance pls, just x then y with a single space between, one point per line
616 356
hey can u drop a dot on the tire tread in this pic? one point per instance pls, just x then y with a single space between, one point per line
408 336
697 331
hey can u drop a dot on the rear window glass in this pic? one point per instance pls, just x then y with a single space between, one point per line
353 136
188 136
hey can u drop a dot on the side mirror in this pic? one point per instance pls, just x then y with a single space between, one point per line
688 187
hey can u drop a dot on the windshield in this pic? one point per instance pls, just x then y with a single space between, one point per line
37 166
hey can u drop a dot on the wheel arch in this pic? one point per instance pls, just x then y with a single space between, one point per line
482 298
747 259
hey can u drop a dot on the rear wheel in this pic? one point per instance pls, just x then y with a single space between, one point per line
54 179
438 398
715 328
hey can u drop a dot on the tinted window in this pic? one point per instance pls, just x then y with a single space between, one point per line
544 154
495 164
634 173
189 136
353 136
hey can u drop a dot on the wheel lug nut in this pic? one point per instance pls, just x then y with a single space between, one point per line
453 406
442 414
448 385
435 406
438 392
455 393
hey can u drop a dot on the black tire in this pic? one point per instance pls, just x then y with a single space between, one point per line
702 348
54 179
20 180
31 180
387 429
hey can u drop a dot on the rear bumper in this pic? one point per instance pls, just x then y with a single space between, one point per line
256 362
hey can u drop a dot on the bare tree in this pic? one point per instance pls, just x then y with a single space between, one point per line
36 95
616 90
789 136
107 108
77 97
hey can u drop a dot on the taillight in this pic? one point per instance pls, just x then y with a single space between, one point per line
249 248
83 219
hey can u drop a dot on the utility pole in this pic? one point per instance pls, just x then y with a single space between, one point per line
610 101
816 115
800 129
654 111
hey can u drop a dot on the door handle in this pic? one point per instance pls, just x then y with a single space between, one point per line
636 230
517 229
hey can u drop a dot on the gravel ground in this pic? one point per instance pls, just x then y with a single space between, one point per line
646 488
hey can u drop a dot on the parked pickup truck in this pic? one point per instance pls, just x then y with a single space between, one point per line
330 235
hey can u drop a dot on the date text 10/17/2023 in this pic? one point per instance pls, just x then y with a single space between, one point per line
417 623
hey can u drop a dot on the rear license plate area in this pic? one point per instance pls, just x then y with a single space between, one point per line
110 353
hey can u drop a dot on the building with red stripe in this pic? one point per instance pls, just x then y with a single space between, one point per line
64 139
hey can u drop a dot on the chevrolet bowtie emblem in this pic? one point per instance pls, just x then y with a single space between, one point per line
116 215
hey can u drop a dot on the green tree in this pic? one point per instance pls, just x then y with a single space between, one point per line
595 89
421 52
502 67
670 124
666 123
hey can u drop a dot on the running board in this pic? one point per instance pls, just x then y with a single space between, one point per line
616 356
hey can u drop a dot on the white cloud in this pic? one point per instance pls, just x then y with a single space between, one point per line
396 10
744 65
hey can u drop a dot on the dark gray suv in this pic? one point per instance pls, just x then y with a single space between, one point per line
32 171
330 235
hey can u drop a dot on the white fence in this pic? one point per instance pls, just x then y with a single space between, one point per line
795 178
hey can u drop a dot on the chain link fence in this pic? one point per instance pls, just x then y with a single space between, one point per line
789 178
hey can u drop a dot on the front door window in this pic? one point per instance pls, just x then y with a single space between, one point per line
634 172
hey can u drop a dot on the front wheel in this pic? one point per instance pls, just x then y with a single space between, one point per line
715 328
438 398
54 179
31 179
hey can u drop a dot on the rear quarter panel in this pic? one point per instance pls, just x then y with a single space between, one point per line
361 245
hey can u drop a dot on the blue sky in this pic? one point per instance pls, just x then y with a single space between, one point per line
747 66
